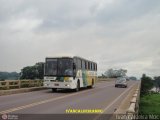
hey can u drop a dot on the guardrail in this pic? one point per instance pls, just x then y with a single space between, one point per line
12 84
15 84
134 103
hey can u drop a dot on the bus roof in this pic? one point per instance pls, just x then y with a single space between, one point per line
83 59
70 57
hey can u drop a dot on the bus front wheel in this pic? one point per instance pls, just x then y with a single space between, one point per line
54 89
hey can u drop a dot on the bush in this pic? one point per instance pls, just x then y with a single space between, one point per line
149 104
146 84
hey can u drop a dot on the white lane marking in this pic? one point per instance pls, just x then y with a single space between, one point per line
117 98
44 101
114 101
38 103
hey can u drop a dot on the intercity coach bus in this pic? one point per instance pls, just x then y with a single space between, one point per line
69 73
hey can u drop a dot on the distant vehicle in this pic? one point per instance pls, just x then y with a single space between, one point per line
132 78
69 73
127 78
121 82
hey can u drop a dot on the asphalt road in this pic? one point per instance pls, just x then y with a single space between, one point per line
104 97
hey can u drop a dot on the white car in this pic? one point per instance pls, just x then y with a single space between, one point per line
121 82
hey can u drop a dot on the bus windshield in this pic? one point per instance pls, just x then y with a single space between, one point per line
59 67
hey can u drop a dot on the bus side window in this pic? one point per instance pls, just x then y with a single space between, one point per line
86 65
79 63
83 65
94 66
91 66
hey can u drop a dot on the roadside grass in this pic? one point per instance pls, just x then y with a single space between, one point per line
150 104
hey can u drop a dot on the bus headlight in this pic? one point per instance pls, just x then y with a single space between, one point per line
45 84
67 85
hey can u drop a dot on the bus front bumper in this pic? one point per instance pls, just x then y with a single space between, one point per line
60 85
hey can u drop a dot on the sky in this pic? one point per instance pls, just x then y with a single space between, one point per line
114 33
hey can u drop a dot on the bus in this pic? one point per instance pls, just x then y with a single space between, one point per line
69 73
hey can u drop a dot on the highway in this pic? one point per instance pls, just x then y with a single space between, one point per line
103 96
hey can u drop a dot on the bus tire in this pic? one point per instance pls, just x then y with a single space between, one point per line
78 86
54 89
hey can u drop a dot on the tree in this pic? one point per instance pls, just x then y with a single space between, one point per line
33 72
146 84
157 83
133 78
115 73
40 70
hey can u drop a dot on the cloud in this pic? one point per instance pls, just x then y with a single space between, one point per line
115 34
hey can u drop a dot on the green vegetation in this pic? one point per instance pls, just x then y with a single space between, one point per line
114 73
9 75
30 72
150 104
33 72
146 84
157 82
149 100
